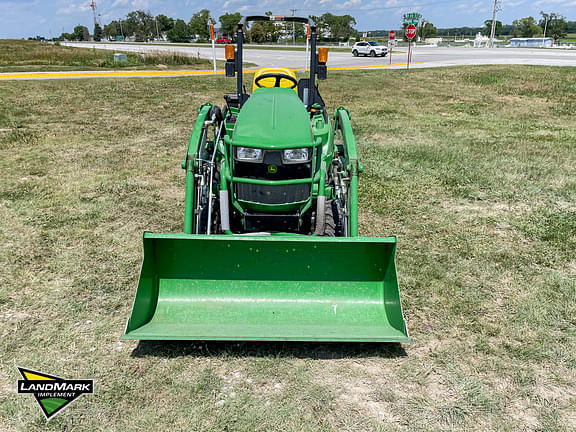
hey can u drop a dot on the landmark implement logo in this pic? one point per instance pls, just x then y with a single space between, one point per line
52 393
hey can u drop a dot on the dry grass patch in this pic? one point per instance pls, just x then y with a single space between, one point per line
20 55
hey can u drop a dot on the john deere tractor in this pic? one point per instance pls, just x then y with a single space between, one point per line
270 248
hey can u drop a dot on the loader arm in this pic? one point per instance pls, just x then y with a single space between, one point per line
197 138
349 152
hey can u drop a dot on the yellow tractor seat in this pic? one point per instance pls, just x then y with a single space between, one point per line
274 81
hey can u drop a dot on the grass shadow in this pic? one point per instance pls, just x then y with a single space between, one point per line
309 350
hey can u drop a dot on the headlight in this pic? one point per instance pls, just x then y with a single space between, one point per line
246 154
296 155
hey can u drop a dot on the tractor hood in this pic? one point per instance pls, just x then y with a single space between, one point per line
273 118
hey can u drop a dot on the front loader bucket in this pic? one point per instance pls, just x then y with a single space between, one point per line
222 287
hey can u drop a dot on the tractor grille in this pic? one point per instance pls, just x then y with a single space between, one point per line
272 194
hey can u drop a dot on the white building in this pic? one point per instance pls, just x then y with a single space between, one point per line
532 42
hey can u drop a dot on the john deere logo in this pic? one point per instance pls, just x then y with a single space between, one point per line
52 393
272 169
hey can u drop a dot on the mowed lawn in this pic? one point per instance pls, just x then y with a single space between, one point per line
474 169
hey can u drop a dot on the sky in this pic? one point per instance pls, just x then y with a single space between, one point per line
49 18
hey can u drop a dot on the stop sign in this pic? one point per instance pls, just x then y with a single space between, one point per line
410 31
392 35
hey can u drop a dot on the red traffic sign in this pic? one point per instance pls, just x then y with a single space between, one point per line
410 31
392 35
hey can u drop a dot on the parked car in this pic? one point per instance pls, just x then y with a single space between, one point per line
223 40
370 48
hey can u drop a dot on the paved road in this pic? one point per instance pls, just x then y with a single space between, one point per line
423 56
429 56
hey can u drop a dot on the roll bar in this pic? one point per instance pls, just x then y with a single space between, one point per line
235 66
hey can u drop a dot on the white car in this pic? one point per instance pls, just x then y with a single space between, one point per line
370 48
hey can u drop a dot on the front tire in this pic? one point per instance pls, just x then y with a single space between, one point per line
332 220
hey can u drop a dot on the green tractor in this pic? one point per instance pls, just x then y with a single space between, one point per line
270 248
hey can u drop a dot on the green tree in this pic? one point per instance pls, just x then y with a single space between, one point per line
257 33
200 22
340 26
81 33
141 25
555 24
164 23
97 32
526 27
321 26
271 29
179 33
111 30
228 23
488 28
429 31
300 30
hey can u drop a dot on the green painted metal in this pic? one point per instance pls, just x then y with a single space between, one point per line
343 124
188 164
273 118
277 287
301 288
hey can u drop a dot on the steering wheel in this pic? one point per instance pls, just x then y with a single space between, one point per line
278 76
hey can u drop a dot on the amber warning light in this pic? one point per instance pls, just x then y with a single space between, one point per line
229 51
322 55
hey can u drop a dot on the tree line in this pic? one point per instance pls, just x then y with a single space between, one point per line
143 27
556 26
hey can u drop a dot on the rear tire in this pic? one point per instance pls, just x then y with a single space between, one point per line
372 53
355 53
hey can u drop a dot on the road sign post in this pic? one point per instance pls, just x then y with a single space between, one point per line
307 42
391 37
213 46
410 32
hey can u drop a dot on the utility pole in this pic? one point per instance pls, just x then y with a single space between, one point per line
93 6
493 29
121 31
157 31
546 16
293 28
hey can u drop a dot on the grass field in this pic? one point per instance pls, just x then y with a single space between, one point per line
474 169
24 56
